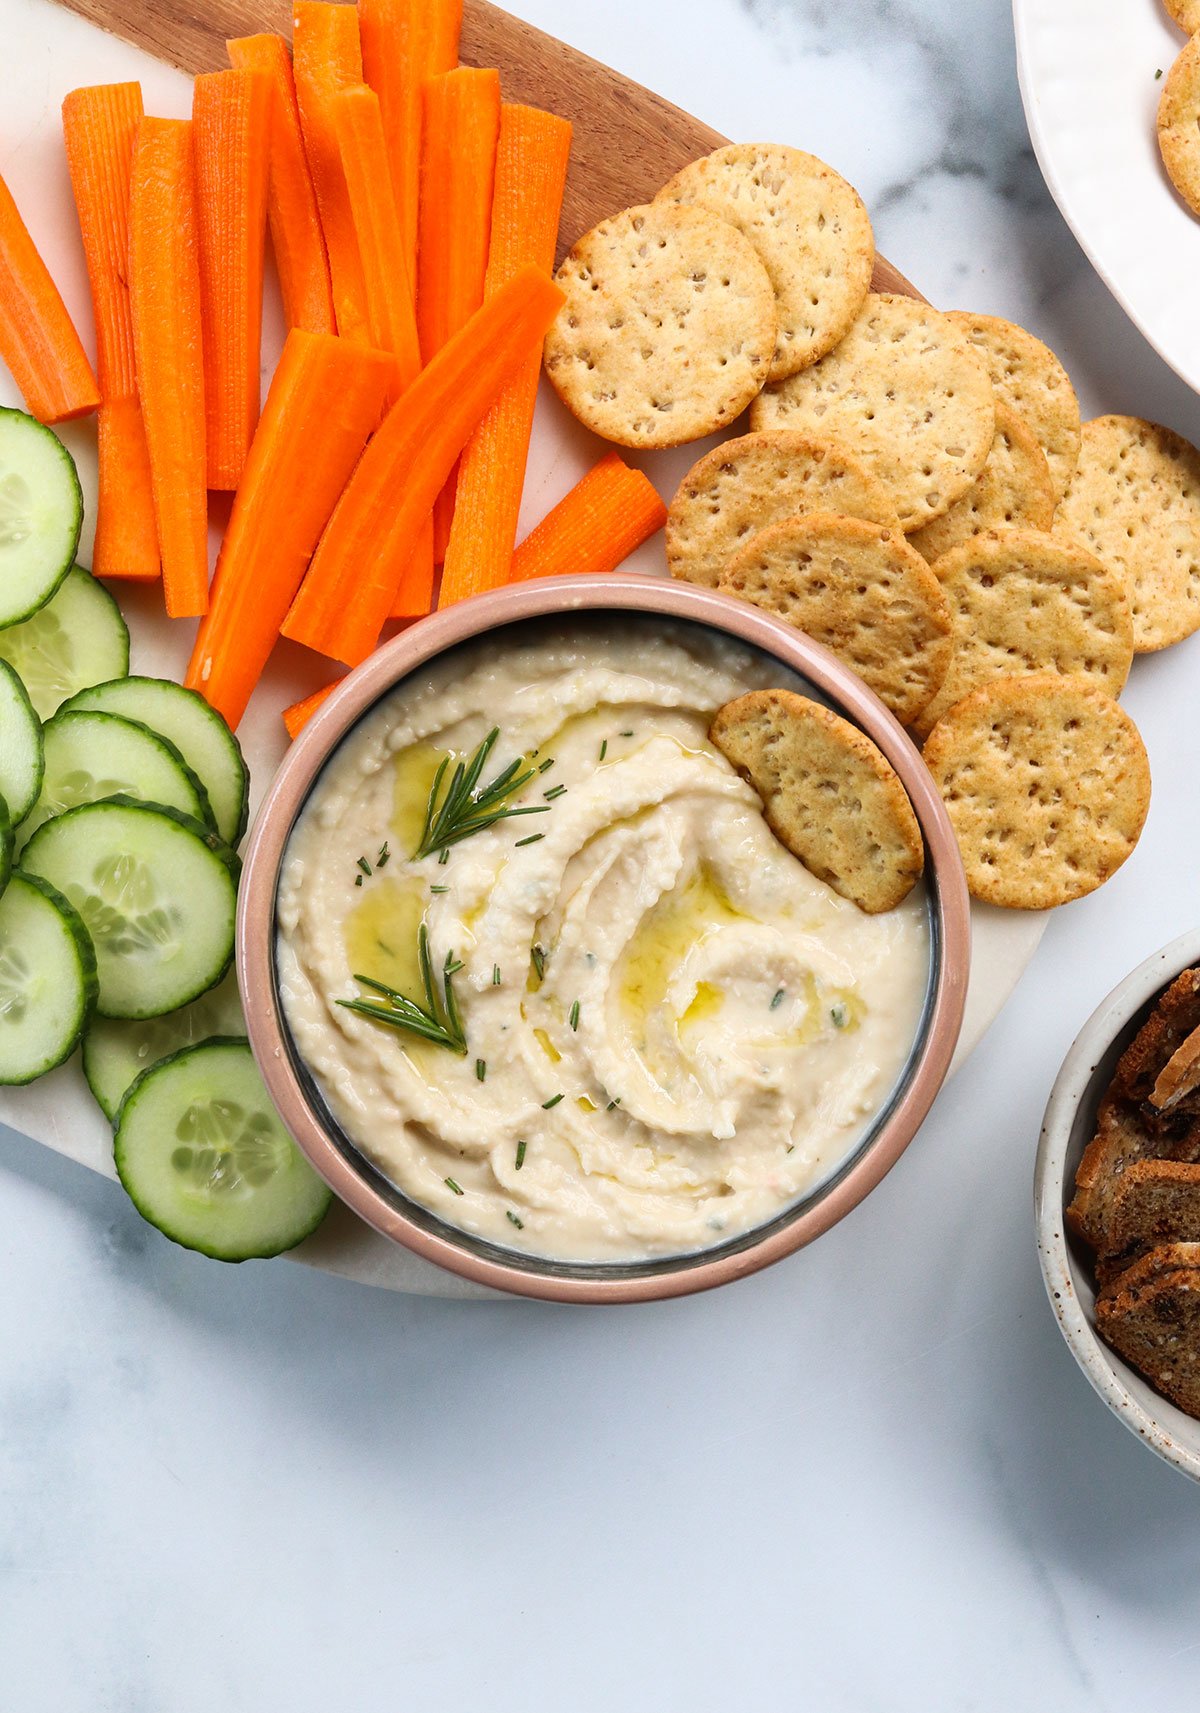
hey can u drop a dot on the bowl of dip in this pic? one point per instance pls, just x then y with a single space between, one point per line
659 1054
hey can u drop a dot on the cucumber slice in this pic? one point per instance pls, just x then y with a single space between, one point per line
157 892
41 513
47 979
92 756
7 845
198 732
115 1052
204 1157
22 760
78 638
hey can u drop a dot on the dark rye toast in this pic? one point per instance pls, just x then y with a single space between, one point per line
1155 1326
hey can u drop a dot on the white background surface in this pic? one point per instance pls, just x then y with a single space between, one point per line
871 1478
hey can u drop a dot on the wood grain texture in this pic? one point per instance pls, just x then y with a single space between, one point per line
628 141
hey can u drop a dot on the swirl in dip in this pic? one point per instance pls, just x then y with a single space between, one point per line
673 1030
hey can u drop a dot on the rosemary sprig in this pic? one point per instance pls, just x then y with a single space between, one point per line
438 1020
466 807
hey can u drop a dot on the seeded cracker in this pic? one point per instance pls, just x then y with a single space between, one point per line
906 394
668 327
1179 124
1012 491
1186 14
1031 381
809 226
1047 786
1023 602
860 590
830 795
1135 503
743 485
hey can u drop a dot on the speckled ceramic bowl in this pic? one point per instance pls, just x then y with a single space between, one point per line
1069 1126
356 1180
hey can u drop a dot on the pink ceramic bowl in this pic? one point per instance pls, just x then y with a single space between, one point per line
360 1185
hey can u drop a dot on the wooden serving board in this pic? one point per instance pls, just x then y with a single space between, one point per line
628 141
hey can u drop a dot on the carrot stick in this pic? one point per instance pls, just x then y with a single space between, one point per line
327 58
231 120
460 125
403 43
99 127
531 171
296 236
324 401
355 575
164 292
597 525
38 340
300 713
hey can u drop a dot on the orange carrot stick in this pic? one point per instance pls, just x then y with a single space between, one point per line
327 59
596 526
356 572
324 401
99 127
231 119
38 340
296 236
460 125
300 713
531 172
164 291
403 43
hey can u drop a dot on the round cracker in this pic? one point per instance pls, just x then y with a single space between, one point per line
903 391
1179 124
1047 786
743 485
1022 601
1135 503
1186 13
811 229
1012 491
668 326
830 796
1031 381
860 590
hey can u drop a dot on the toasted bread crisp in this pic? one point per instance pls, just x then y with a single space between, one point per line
1030 380
1179 1077
860 590
1012 491
1134 502
903 391
1047 785
743 485
1173 1021
830 795
1156 1200
668 328
1179 124
1119 1142
811 229
1156 1328
1024 602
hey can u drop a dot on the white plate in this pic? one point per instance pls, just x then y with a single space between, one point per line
47 52
1087 71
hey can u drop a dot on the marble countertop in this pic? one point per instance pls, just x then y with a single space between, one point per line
873 1472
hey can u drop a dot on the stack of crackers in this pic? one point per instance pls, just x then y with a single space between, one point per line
915 490
1137 1199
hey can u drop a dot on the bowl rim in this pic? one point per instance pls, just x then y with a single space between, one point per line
1104 1368
560 597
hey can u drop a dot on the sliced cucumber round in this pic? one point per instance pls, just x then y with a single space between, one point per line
21 755
204 1157
116 1052
78 638
198 732
41 513
47 979
92 756
157 892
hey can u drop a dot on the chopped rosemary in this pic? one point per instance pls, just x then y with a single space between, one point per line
545 765
451 1185
531 840
495 975
778 999
481 1069
791 1147
358 879
1158 74
626 734
520 1155
613 1103
466 806
519 1223
575 1015
364 865
538 954
439 889
384 854
554 791
839 1015
603 749
553 1101
444 856
438 1020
